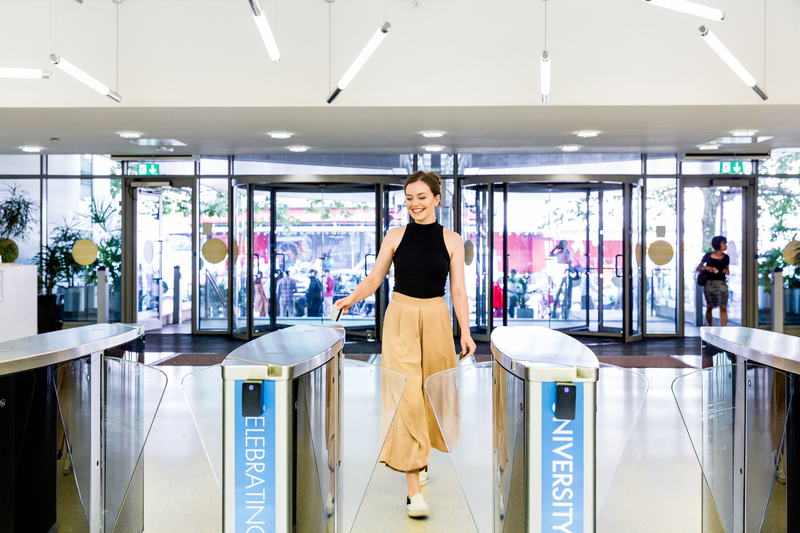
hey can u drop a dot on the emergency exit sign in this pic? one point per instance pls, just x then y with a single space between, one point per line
145 169
731 167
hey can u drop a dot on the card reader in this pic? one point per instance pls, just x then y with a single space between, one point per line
252 401
565 401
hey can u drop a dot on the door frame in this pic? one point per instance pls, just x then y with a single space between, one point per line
748 184
298 182
130 199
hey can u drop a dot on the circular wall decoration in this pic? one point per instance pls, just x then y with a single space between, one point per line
148 252
215 251
84 252
9 251
638 253
661 252
235 251
469 252
791 254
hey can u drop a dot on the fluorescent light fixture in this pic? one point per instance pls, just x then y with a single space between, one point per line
570 147
731 61
298 148
280 134
265 31
545 75
432 134
433 148
360 60
690 8
743 133
130 134
741 140
157 142
81 76
708 146
587 133
24 73
31 149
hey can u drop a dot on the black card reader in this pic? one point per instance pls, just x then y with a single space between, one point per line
565 401
252 404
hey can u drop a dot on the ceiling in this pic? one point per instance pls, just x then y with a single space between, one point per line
197 71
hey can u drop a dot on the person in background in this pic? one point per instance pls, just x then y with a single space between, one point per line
327 295
285 291
716 265
261 303
314 294
513 292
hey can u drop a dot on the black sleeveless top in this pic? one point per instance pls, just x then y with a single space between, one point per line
421 261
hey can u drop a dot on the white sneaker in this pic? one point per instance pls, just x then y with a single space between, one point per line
781 472
417 506
329 504
423 477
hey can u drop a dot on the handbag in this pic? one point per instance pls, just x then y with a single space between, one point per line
702 278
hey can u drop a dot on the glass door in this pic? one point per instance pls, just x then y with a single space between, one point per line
476 231
164 252
710 211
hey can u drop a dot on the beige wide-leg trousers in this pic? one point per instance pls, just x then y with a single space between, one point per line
417 342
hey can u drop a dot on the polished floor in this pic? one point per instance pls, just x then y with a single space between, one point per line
657 486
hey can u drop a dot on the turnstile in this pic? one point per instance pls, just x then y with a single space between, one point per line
522 430
285 420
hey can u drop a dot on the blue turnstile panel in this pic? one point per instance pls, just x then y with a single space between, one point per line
255 464
562 463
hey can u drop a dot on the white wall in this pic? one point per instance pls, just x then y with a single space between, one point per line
18 308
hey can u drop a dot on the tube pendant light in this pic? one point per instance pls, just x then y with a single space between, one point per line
266 33
690 8
24 73
360 60
731 61
81 76
545 76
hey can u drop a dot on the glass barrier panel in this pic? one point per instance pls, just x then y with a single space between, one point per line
16 392
203 391
620 395
461 399
508 447
133 394
369 398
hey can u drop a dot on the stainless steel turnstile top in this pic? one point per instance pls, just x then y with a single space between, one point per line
286 353
775 350
59 346
540 354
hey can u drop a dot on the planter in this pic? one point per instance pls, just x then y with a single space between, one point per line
50 312
524 313
791 301
74 298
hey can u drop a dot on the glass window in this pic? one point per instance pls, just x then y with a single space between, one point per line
662 260
20 164
662 164
82 165
214 166
19 220
84 209
778 226
784 161
214 257
239 255
272 165
494 164
442 164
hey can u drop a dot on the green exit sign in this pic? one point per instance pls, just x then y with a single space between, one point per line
731 167
143 169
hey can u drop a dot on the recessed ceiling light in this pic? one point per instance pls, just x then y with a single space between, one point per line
164 149
433 148
743 133
298 148
130 134
433 134
708 146
571 147
280 134
31 149
587 133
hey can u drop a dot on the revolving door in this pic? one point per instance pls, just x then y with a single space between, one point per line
562 252
302 242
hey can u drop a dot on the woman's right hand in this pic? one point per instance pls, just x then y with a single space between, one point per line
344 303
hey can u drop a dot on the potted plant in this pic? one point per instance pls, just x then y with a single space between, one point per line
17 212
50 306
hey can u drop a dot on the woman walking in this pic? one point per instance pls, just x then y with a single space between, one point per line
417 328
715 264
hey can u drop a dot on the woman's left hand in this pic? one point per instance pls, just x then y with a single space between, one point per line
468 346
